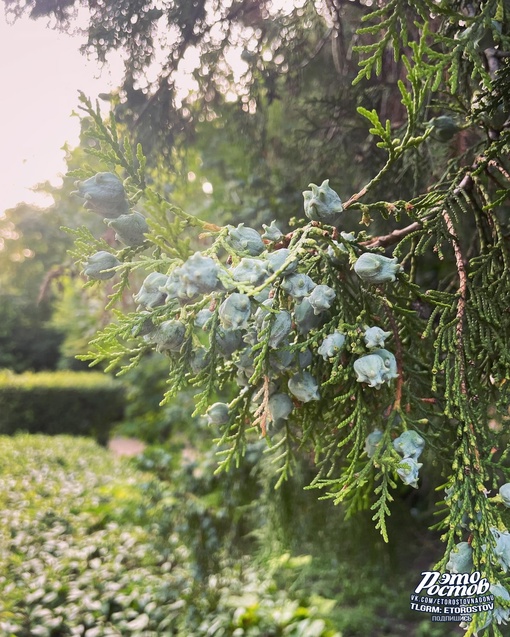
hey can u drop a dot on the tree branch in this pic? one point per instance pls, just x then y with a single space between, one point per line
461 305
393 237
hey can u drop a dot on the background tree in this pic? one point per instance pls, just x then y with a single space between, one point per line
274 77
47 318
28 254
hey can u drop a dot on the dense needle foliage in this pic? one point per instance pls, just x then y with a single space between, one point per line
383 355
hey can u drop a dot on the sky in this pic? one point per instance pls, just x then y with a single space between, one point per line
41 71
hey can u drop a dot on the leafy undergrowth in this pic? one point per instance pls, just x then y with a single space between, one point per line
301 545
90 546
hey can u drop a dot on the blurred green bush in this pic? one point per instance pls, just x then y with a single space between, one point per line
27 341
90 546
79 403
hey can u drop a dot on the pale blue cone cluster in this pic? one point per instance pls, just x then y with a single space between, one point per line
408 471
376 268
272 232
105 195
280 407
244 240
376 368
379 366
217 414
410 446
276 261
235 311
298 285
280 326
100 266
150 294
321 298
504 492
373 442
374 337
460 559
304 387
502 548
306 318
129 229
198 275
168 336
331 346
219 306
500 614
322 203
251 271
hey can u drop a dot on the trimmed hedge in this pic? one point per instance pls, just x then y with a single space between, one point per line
78 403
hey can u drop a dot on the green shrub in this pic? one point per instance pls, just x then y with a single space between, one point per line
80 403
87 548
27 342
70 562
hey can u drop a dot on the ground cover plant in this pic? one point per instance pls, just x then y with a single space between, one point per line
90 546
384 355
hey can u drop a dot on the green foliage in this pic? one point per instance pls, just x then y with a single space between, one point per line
31 248
298 542
88 545
451 39
31 245
60 402
34 274
293 35
27 341
145 418
240 317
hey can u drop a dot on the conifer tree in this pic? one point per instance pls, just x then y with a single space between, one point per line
384 354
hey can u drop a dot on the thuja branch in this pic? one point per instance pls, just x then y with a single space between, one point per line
462 292
185 217
459 329
393 237
373 182
115 153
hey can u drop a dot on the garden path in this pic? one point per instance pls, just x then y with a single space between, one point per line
125 446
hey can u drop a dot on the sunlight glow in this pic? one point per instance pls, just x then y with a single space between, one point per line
207 188
41 73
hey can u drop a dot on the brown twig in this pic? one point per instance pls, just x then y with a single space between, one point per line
357 196
461 310
262 412
54 273
461 305
494 164
393 237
